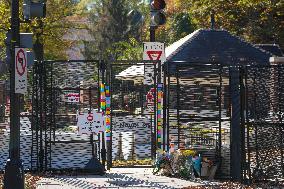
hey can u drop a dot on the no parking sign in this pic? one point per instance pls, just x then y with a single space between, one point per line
21 70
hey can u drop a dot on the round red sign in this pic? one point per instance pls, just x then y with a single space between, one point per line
21 62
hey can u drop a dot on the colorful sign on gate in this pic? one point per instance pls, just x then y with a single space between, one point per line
108 119
103 97
159 115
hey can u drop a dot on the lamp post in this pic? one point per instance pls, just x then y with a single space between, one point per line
14 174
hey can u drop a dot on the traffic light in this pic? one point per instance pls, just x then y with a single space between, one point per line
157 14
34 9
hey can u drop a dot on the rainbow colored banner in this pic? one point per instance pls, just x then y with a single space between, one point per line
107 113
159 115
103 97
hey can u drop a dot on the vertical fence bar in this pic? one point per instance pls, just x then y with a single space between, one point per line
279 68
178 105
51 111
168 106
109 143
246 91
155 110
41 117
235 124
220 111
107 113
164 109
255 117
45 89
242 98
34 116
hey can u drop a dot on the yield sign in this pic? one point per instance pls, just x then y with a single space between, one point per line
154 55
154 51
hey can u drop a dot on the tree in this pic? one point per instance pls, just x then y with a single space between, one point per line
259 21
110 26
56 25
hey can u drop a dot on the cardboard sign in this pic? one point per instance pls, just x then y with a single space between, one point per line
21 71
89 123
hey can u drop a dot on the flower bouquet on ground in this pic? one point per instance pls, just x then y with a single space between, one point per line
178 163
163 164
182 164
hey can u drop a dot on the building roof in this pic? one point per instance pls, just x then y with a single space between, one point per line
216 46
206 46
272 48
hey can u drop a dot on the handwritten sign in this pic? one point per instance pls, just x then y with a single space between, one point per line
21 71
138 125
89 123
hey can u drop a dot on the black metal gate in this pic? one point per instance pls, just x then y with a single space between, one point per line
61 90
133 89
263 127
198 110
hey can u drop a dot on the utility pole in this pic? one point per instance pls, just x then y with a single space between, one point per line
14 174
152 30
152 33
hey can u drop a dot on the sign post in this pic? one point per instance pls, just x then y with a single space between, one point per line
152 51
14 173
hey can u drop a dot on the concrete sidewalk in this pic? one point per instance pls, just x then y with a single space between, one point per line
118 178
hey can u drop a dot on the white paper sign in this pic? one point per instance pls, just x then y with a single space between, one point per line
21 71
152 51
89 123
73 97
150 102
138 125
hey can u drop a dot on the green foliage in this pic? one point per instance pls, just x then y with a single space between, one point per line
126 50
259 21
56 25
4 25
115 37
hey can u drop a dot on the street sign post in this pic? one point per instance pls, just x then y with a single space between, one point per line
152 51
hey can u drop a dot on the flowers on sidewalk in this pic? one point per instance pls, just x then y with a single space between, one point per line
178 164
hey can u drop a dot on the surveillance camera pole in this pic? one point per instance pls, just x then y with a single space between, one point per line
14 174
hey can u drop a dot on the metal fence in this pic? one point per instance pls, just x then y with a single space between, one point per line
196 114
263 129
62 90
133 86
198 110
